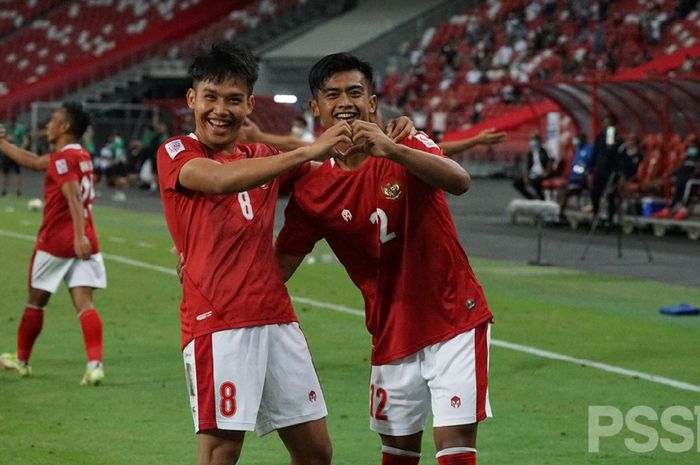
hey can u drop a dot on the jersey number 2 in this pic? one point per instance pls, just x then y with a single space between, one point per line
384 235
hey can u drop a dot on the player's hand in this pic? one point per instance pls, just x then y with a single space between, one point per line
179 268
334 142
491 137
82 247
250 132
400 128
368 138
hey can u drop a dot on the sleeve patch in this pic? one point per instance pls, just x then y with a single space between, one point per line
427 141
174 147
61 166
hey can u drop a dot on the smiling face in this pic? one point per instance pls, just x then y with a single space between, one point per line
219 111
345 96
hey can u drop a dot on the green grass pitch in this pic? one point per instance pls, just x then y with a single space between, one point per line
140 415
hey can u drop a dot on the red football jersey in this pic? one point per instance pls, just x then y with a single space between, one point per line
395 236
231 278
71 163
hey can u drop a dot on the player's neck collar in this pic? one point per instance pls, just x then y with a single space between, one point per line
71 146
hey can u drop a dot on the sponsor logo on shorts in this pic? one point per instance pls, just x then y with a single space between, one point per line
174 148
312 396
204 315
456 402
470 304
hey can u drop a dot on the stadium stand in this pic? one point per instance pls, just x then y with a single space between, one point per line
485 55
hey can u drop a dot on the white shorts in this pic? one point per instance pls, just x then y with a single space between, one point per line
259 378
450 377
47 272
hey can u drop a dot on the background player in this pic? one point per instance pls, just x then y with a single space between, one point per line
66 247
382 210
16 133
219 199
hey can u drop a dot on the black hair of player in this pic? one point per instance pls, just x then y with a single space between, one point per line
78 118
327 66
225 61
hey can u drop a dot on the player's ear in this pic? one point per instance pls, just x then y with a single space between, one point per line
372 103
190 98
251 104
313 106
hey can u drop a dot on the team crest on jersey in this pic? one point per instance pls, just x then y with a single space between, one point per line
174 147
61 166
392 191
347 216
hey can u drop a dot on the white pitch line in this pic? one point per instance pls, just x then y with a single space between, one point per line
496 342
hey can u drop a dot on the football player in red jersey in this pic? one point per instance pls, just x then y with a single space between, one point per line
66 247
247 363
381 207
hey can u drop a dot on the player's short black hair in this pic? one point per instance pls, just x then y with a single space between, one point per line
223 61
78 118
327 66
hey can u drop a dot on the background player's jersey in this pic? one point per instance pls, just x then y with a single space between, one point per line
231 278
395 236
71 163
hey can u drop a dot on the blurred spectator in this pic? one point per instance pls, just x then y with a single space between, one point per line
88 141
162 134
476 111
689 169
537 167
604 165
16 133
300 129
579 171
115 152
438 124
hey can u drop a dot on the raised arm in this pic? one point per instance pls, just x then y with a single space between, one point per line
439 172
209 176
485 137
81 243
251 132
23 157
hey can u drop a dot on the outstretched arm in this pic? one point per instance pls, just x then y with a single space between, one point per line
251 132
23 157
485 137
439 172
211 177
